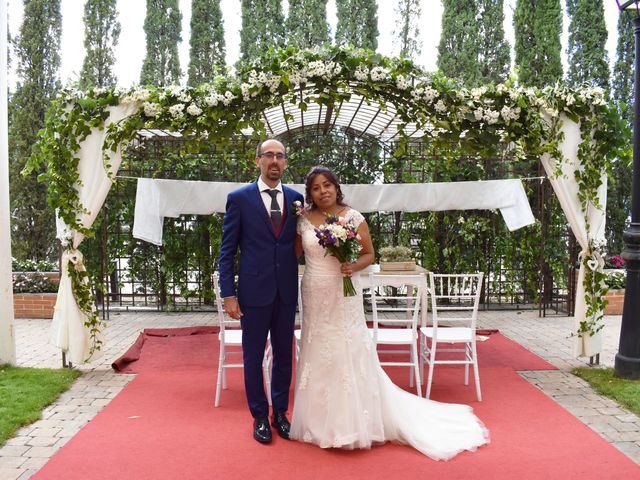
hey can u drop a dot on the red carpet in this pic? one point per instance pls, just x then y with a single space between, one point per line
163 426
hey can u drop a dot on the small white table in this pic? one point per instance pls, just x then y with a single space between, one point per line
417 275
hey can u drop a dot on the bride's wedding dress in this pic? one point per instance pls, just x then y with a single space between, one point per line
343 397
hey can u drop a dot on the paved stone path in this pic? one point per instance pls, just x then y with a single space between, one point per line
32 447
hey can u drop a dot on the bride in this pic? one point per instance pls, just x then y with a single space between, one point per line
343 397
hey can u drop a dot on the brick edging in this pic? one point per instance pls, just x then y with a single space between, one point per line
34 305
616 302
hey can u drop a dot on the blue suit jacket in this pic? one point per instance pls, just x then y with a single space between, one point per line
268 264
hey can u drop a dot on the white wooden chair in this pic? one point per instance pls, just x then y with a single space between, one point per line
398 313
230 338
454 303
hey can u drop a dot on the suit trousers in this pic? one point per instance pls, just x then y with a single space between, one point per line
257 322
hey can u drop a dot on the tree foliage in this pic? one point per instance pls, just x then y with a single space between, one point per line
588 60
472 46
494 52
161 65
357 23
307 25
458 49
619 186
538 26
623 71
207 52
101 33
406 34
37 49
262 28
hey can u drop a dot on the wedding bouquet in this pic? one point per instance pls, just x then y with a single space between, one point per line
340 238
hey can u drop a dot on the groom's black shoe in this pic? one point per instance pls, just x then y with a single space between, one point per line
281 424
262 430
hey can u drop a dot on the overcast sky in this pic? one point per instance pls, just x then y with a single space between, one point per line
131 49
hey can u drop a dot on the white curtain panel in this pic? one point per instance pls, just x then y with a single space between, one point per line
67 330
158 198
566 189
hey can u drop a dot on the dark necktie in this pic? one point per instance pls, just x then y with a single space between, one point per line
276 214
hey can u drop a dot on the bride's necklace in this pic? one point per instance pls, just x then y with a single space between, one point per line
336 213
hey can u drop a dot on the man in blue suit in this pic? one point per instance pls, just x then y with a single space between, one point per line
260 220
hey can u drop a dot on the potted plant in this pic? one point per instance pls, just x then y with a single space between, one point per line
396 258
613 262
35 287
616 281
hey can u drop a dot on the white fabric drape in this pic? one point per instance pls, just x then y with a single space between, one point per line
157 198
67 330
566 189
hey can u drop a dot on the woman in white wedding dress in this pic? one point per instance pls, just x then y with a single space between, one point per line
343 397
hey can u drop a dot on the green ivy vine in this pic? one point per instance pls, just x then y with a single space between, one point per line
478 121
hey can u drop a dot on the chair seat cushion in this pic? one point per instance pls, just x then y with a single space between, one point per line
232 337
449 334
394 335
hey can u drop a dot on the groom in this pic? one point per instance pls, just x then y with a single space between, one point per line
260 220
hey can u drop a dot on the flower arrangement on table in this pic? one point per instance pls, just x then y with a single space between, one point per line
340 238
398 253
397 258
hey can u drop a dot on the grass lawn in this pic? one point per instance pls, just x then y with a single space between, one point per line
625 392
24 392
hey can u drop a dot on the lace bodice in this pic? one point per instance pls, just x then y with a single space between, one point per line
316 263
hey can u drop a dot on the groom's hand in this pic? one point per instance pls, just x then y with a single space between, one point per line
232 307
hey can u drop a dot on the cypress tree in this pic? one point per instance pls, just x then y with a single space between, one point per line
307 23
101 33
458 50
37 49
619 186
262 28
207 47
538 26
357 23
494 53
161 65
623 69
588 61
407 31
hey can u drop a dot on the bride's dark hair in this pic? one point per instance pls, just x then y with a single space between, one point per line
313 173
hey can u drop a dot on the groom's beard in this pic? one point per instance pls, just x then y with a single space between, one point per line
274 174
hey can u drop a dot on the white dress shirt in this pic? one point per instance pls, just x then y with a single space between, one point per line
266 198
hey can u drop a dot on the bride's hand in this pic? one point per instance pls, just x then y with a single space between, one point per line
346 269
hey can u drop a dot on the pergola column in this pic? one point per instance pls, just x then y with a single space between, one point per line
7 339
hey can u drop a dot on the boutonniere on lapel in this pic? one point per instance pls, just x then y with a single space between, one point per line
297 208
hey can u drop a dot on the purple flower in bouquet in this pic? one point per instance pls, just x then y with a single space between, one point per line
340 238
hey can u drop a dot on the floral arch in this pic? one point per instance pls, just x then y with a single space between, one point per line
575 133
